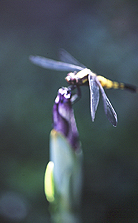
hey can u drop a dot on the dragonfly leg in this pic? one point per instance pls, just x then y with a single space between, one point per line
76 96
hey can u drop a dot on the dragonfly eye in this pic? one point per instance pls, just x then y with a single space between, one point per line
71 78
68 79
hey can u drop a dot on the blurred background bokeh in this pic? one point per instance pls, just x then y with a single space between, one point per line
103 35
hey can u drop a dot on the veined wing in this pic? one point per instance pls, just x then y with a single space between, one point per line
68 58
108 108
94 94
53 64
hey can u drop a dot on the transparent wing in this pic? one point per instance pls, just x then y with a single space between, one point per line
108 108
53 64
94 95
68 58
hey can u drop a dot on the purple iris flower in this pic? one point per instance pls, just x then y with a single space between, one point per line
63 117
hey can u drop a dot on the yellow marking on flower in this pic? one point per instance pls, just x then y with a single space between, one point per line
49 182
54 133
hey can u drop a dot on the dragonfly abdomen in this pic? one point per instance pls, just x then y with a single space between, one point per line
131 88
106 83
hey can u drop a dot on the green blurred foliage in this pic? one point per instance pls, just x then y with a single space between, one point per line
103 36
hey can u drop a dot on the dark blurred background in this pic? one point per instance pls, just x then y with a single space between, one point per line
103 35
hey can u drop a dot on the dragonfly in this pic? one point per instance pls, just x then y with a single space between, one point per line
80 75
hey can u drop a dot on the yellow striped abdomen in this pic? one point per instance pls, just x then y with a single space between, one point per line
110 84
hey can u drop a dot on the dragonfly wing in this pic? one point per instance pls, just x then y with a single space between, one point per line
108 108
53 64
94 95
68 58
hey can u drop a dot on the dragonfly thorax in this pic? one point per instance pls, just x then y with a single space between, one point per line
78 78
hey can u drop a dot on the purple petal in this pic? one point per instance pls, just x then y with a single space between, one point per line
63 117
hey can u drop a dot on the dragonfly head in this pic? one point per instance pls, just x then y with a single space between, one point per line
71 78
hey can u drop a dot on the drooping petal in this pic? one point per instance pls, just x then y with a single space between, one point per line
63 117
